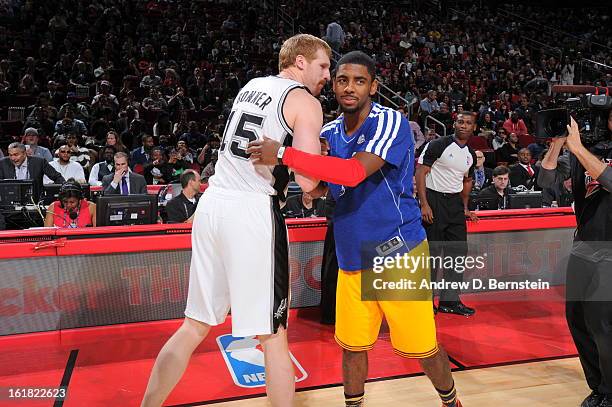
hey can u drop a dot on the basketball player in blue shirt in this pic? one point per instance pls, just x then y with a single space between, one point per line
369 169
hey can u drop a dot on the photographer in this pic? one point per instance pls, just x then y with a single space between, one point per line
589 270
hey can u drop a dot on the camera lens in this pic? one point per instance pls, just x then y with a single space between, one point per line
556 127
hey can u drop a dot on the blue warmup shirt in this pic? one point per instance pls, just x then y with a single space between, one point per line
380 212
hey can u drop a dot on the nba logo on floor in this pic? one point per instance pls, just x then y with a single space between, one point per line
245 360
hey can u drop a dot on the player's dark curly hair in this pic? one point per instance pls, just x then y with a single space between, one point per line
358 58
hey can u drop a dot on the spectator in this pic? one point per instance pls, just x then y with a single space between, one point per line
44 126
499 139
104 99
193 137
304 206
499 189
157 171
30 140
515 125
209 170
182 207
150 80
560 193
444 116
123 181
155 101
163 126
179 103
482 175
177 164
113 139
104 167
508 153
80 155
69 124
63 165
142 155
132 134
537 148
523 173
56 97
27 86
334 34
429 104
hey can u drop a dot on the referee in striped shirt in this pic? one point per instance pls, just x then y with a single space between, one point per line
444 181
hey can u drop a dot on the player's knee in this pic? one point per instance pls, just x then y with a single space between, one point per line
196 328
439 355
274 340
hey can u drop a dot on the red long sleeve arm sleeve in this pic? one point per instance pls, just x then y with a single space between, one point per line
349 172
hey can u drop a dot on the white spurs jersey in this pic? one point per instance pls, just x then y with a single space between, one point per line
257 111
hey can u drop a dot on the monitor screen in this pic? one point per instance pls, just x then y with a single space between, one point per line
525 200
16 192
486 203
50 193
122 210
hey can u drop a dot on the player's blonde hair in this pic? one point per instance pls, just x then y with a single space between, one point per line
300 44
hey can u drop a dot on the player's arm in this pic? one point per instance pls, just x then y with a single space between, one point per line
349 172
304 115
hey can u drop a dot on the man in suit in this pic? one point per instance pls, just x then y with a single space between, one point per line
182 207
19 166
123 181
523 173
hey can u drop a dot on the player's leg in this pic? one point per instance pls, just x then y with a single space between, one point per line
354 375
413 329
207 304
280 375
172 361
415 337
357 326
259 282
437 368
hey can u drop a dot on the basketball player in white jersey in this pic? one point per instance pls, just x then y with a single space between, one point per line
239 239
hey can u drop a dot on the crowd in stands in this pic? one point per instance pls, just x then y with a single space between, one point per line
156 79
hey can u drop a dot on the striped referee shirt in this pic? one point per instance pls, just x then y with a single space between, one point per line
450 163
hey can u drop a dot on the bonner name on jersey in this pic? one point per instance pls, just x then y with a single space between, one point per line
259 99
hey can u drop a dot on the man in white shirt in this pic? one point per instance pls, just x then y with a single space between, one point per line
103 168
63 165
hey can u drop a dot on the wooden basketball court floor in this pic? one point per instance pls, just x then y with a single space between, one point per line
558 383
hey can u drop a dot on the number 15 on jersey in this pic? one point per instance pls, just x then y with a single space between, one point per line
246 130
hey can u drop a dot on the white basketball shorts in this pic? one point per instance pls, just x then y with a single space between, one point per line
239 261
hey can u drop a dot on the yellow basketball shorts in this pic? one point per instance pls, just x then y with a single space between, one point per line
411 322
